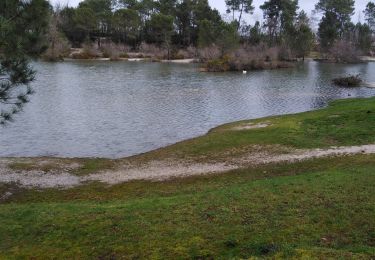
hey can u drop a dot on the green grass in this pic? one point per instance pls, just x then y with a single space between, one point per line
316 209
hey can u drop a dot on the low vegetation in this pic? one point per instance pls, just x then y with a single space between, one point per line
349 81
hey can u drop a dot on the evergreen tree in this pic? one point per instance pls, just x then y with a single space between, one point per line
303 39
23 27
279 17
370 15
336 17
240 6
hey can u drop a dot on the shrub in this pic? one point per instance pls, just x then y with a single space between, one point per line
57 51
218 65
247 57
344 52
89 51
209 53
124 55
349 81
285 54
153 51
111 51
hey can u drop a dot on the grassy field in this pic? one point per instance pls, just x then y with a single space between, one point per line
316 209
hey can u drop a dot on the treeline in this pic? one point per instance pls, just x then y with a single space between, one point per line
172 25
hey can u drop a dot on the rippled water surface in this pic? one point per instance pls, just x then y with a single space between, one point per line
103 109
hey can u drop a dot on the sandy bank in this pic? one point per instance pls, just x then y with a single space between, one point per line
163 170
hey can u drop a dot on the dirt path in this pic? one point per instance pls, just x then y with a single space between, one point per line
163 170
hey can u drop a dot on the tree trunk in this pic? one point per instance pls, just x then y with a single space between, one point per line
239 19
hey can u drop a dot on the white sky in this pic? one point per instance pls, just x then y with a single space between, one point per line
307 5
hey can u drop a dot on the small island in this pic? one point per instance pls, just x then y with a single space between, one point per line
348 81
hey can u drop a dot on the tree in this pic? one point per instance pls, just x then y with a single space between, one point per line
279 16
223 35
85 22
128 4
255 36
160 30
364 37
336 17
126 24
370 15
241 6
328 32
58 45
189 15
303 36
208 33
99 17
22 29
167 7
146 8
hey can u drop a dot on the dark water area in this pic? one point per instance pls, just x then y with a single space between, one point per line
118 109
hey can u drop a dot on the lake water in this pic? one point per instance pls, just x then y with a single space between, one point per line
117 109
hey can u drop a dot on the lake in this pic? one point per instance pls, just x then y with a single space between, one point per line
118 109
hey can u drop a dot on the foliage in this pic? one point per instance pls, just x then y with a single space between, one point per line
364 37
336 17
224 36
279 16
22 32
241 6
218 65
126 25
89 51
349 81
256 35
344 52
370 15
248 57
328 32
160 30
58 45
15 77
303 38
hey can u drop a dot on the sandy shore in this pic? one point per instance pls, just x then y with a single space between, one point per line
161 170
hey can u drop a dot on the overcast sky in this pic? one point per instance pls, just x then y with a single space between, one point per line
307 5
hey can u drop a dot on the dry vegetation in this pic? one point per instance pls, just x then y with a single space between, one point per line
349 81
344 52
247 57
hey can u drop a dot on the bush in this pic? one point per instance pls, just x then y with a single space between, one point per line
111 51
153 51
89 51
209 53
218 65
57 51
249 58
189 53
344 52
349 81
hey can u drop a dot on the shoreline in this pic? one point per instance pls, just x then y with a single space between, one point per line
180 61
197 156
234 123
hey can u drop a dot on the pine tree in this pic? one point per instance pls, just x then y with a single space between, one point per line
22 30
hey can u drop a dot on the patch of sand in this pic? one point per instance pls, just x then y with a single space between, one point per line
163 170
250 126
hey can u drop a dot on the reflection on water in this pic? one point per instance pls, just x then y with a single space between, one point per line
102 109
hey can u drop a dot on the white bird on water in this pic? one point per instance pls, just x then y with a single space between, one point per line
244 72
